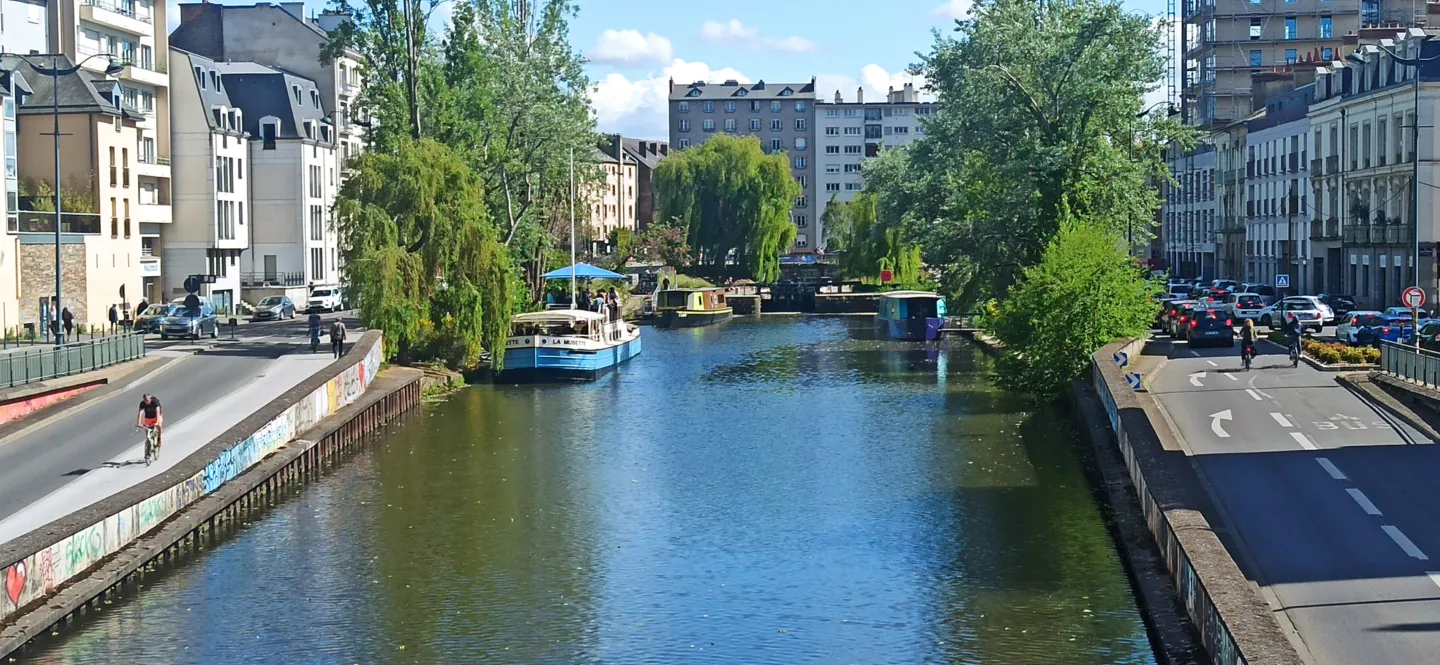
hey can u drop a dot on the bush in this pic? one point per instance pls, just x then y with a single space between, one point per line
1353 356
1327 356
1372 356
1331 353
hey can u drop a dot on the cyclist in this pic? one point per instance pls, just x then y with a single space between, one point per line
1247 340
314 321
1293 331
151 415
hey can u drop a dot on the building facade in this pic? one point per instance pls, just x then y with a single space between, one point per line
647 155
1189 214
1277 190
210 155
848 133
612 202
24 27
780 115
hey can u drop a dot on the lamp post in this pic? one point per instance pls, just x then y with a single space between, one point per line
55 71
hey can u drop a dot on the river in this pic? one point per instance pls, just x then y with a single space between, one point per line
784 490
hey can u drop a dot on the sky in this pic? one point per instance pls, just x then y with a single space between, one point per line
635 47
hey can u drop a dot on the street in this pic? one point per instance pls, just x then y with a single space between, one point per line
1326 502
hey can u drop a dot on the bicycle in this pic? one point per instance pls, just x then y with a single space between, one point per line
1247 355
1295 353
152 444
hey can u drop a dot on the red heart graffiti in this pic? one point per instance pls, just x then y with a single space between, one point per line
15 582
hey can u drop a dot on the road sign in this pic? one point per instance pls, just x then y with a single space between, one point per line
1282 281
887 276
1121 358
1413 297
1134 380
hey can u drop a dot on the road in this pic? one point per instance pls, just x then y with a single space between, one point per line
1327 504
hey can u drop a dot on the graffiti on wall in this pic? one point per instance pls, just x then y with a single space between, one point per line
38 575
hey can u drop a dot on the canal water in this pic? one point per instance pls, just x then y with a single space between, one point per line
786 490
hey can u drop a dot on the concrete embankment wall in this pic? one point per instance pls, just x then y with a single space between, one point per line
34 567
1236 626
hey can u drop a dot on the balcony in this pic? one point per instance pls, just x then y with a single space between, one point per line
1332 165
147 75
31 221
117 14
263 279
1328 229
153 214
1357 234
1317 167
153 167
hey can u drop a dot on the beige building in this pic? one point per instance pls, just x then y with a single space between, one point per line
612 203
101 246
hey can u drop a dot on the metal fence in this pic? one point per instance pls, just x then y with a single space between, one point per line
38 364
1414 365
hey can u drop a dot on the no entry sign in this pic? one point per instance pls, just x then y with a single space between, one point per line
1413 297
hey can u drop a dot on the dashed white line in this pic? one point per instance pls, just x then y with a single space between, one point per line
1303 440
1331 469
1364 501
1434 577
1254 394
1404 543
1195 353
1280 418
1213 363
1232 377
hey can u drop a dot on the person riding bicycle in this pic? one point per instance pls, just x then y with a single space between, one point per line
1247 339
1293 331
314 320
151 415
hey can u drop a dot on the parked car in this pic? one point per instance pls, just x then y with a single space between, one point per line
1210 326
1405 311
1179 289
274 307
188 321
1241 306
1172 310
1303 307
324 299
1339 303
1326 314
1227 285
1429 334
149 320
1265 291
1347 330
1181 320
1386 329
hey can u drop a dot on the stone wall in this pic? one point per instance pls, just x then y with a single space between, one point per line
37 280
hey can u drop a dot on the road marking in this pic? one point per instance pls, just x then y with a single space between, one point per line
1434 577
1213 363
1364 501
1195 353
1331 469
1252 386
1195 379
1280 418
1215 419
1254 394
1232 377
1404 543
1303 440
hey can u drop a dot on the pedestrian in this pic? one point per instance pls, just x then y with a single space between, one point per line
337 337
68 320
114 318
140 308
615 301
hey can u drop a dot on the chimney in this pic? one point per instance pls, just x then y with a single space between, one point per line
860 95
838 100
296 9
615 149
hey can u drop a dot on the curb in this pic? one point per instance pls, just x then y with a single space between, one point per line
1374 394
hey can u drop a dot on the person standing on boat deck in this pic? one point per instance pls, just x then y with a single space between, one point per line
582 301
615 299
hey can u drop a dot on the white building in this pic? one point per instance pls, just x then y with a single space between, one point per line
293 174
1188 214
1277 191
211 191
846 133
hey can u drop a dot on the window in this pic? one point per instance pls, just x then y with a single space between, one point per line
832 186
777 125
902 129
832 113
832 149
754 106
729 107
804 181
833 168
317 263
774 107
1289 25
1256 27
852 168
317 223
799 124
801 202
799 163
832 131
315 182
125 167
802 221
1290 56
684 143
800 143
776 145
853 149
709 107
730 125
852 113
684 125
799 106
1255 57
800 241
1326 27
1327 54
853 131
684 107
295 90
754 124
708 125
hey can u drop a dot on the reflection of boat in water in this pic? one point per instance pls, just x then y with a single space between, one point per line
688 308
566 344
911 315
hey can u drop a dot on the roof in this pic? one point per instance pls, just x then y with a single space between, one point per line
78 94
558 315
261 92
211 96
633 147
735 90
910 294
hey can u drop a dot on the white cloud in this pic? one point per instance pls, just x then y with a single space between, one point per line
876 80
639 108
629 47
952 10
735 33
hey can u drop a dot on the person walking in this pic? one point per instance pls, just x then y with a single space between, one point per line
337 337
68 320
114 318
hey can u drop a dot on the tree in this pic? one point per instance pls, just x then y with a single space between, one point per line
665 241
730 196
1086 292
871 246
624 242
452 297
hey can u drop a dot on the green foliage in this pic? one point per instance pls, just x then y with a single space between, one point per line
688 282
730 195
871 246
624 243
77 196
1085 293
665 241
455 294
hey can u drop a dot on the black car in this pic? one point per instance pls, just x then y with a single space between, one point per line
1341 305
1209 325
274 307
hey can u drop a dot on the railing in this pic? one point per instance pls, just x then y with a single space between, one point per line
1317 166
1397 234
1417 366
124 9
1357 234
30 221
22 367
272 279
1332 165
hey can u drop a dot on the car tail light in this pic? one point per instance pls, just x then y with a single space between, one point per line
1194 324
1228 323
1385 331
1172 312
1183 318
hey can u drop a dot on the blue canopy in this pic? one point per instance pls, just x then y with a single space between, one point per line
582 271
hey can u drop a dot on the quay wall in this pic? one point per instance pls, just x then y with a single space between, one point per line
1236 627
35 566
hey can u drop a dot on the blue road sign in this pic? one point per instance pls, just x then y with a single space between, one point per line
1121 358
1134 380
1282 281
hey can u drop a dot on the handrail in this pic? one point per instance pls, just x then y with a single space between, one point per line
1407 363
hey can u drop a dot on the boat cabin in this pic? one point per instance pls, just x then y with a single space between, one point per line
901 305
559 323
695 300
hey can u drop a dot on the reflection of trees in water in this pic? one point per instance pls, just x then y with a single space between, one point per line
870 361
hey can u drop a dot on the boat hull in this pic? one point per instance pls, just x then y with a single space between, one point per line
542 364
916 330
673 318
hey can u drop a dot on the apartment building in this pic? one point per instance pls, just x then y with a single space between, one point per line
24 26
647 155
781 115
293 177
13 89
1189 214
100 240
1277 188
848 133
1224 41
210 155
283 37
611 203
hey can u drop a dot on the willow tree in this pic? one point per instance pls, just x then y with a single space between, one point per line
730 196
870 245
451 297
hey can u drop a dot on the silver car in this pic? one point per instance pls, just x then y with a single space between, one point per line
1301 307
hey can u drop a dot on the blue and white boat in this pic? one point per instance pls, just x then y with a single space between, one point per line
911 315
567 345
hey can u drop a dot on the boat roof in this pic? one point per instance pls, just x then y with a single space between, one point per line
696 290
910 294
566 315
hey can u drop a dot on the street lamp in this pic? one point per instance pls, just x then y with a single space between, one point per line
55 71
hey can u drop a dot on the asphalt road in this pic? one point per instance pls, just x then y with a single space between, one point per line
1327 503
292 331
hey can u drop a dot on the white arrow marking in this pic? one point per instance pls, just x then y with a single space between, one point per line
1215 419
1195 379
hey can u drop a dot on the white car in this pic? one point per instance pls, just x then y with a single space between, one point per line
1241 306
1348 328
1327 314
1305 308
324 299
1405 311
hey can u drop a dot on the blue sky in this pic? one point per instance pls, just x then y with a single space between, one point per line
636 46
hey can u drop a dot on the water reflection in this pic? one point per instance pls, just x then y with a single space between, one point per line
780 490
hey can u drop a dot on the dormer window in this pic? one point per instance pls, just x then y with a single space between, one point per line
269 129
214 80
786 92
315 98
295 90
200 74
694 92
741 92
218 114
310 129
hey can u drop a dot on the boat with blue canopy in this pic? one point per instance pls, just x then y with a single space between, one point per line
911 315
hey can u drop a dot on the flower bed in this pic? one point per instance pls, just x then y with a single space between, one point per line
1332 353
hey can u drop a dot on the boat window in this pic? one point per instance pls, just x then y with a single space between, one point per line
673 298
922 308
